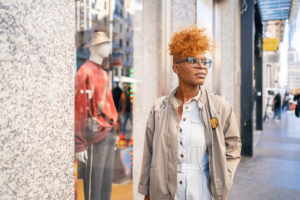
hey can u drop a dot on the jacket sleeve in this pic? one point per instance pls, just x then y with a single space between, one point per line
233 145
80 112
143 187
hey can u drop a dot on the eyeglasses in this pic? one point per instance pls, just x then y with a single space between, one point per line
195 62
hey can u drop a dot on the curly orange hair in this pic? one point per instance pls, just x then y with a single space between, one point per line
189 41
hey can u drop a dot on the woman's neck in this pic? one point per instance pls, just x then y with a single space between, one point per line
186 92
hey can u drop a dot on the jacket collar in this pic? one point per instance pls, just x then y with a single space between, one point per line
201 98
173 100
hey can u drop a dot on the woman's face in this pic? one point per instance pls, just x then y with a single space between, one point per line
189 75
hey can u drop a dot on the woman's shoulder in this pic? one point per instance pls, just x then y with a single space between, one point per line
158 102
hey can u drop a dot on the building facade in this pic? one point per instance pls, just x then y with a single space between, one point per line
123 37
293 71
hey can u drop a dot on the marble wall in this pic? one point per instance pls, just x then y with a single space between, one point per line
36 99
228 50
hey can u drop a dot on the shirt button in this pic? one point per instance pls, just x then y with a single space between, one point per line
180 182
181 143
186 107
180 129
184 119
181 155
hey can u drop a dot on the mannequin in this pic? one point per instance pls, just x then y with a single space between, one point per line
95 122
98 53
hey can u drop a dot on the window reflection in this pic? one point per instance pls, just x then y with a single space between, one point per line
104 85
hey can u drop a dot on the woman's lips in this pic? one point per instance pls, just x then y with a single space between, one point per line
201 74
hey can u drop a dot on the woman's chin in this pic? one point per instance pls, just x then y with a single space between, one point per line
200 82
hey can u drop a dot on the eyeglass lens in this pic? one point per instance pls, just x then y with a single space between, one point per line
194 62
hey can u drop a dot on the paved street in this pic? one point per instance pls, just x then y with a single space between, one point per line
273 173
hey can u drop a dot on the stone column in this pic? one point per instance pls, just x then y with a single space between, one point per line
231 55
37 99
147 66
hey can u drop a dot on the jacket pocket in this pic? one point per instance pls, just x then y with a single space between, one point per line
197 134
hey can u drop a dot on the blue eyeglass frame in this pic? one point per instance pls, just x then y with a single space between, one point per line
189 58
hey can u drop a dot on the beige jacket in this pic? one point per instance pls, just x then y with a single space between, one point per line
159 167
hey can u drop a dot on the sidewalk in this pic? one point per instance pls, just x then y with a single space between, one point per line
273 173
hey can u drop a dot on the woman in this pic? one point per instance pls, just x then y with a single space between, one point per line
192 145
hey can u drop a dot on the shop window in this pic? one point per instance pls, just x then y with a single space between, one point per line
103 154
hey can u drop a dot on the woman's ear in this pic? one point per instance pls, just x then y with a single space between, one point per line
175 69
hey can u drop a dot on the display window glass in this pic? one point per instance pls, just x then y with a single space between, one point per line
104 96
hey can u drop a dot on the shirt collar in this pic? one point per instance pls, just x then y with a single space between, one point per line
198 95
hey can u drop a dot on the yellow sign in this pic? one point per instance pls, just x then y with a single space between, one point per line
271 44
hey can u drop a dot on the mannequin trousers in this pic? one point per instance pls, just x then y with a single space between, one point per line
97 172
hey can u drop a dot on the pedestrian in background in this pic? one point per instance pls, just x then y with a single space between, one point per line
126 107
277 106
192 144
117 92
297 109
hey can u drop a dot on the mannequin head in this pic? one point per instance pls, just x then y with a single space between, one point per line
99 51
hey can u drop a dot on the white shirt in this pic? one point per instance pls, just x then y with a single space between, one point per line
193 171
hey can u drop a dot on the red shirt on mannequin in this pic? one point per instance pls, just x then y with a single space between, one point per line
90 76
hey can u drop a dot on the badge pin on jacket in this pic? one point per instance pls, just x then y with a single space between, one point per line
214 123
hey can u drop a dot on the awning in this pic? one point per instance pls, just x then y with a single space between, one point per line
274 9
126 79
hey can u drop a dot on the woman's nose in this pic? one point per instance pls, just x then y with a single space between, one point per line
201 66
